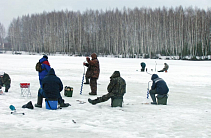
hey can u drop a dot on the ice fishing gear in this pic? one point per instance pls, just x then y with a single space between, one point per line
82 81
74 121
51 104
155 65
12 107
80 102
68 91
148 90
148 72
14 110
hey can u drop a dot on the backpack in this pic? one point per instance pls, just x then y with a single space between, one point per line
38 67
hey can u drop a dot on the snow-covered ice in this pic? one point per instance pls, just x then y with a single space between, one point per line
188 113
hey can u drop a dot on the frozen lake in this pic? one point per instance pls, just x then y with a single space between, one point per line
188 113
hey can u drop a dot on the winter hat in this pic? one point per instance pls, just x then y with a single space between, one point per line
115 74
94 56
1 73
154 76
46 57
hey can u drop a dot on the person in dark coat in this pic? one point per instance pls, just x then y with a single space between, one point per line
45 68
116 89
51 88
165 68
5 81
159 86
143 65
93 72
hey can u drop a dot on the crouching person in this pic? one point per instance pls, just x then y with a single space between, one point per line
116 90
159 87
51 88
5 81
165 68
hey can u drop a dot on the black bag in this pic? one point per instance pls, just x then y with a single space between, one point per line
38 67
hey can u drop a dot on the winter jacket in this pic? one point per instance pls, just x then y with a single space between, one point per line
45 66
5 79
166 67
143 65
52 85
159 85
93 70
117 85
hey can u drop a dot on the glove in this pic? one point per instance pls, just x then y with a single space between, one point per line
87 59
84 63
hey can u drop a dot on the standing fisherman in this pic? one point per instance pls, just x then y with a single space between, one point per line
93 72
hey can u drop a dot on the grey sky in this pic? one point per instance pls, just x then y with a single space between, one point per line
10 9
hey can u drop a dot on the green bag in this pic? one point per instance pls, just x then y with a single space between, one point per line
68 91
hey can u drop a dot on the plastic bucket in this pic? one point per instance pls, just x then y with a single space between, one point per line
51 105
116 102
162 99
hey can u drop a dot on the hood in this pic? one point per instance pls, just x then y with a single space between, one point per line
43 59
46 57
115 74
51 72
94 56
154 76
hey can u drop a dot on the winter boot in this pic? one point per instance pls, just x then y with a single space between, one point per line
39 102
87 81
64 104
92 93
153 98
93 102
28 105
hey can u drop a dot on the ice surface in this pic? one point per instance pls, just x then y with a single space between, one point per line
188 113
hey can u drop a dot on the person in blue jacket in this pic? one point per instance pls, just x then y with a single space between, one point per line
159 86
45 68
45 65
51 88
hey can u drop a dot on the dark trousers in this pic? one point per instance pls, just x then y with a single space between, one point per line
152 95
93 85
41 93
7 86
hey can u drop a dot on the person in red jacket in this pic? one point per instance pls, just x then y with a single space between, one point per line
93 72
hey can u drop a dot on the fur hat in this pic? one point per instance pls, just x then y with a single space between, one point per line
1 73
46 57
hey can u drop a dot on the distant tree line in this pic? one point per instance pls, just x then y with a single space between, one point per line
2 35
138 31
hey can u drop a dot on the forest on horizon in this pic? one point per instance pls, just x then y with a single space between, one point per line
139 31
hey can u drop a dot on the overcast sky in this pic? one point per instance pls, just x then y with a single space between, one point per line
10 9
